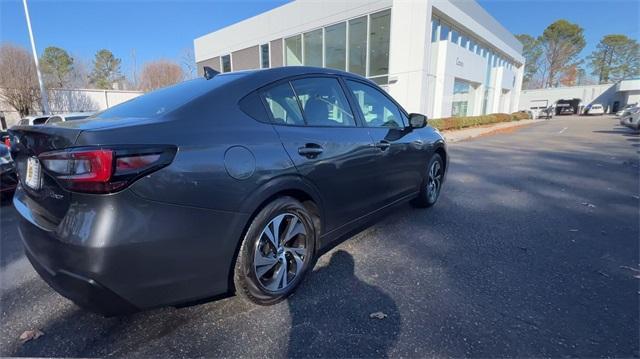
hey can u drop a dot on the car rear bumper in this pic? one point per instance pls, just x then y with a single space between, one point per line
130 253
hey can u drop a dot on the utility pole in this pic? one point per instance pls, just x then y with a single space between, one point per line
43 92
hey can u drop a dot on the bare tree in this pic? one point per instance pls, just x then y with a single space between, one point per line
159 74
18 79
188 60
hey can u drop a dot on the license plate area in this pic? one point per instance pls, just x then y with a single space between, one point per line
33 178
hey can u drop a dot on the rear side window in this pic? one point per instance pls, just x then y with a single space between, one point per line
282 103
377 109
323 102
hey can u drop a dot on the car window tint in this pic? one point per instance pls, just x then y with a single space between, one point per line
323 102
40 120
54 119
283 105
377 109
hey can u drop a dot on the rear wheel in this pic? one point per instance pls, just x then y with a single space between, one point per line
276 252
430 190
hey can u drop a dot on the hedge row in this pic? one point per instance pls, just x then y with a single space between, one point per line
456 123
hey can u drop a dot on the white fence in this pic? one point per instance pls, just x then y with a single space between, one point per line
74 100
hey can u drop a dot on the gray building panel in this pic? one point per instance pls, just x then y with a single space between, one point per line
276 53
213 62
246 59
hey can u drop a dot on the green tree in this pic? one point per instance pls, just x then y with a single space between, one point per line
532 51
106 70
56 65
616 57
561 43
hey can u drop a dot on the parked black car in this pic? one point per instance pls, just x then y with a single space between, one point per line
8 179
236 183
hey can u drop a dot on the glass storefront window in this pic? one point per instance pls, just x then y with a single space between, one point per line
226 63
434 29
379 33
335 46
312 42
293 50
358 46
264 56
461 98
455 36
460 87
459 108
464 42
444 32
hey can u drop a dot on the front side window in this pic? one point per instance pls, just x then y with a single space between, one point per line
378 110
226 63
282 103
323 102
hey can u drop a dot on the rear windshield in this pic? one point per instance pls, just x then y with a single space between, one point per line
163 101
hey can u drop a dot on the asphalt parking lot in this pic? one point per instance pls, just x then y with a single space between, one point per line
532 251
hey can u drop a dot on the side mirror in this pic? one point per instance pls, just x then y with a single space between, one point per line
417 120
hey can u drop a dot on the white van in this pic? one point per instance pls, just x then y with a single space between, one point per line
595 109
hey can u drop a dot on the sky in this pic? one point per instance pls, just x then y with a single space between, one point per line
150 30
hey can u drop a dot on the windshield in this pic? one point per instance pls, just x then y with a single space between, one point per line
163 101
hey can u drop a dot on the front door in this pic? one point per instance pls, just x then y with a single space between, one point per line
321 136
402 161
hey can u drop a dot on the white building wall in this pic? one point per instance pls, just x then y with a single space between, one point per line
408 57
421 73
605 95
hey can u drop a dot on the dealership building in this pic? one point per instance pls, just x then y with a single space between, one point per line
441 58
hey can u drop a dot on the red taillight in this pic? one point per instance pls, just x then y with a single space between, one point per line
80 166
103 170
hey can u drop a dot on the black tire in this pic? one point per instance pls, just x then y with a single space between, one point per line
247 283
426 199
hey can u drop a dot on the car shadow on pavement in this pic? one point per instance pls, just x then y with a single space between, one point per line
329 316
354 319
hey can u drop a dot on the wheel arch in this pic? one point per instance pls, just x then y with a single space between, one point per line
284 186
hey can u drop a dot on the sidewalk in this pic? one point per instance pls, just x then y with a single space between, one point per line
468 133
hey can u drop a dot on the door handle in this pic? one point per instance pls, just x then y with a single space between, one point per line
310 150
383 145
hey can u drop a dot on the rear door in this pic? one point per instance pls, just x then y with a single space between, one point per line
321 135
402 160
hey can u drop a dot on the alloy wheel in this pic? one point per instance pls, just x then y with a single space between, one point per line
280 252
434 181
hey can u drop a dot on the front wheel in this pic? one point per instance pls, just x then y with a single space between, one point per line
430 189
276 252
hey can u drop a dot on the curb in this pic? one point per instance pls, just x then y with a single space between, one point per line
452 136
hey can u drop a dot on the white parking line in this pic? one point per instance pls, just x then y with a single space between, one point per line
564 129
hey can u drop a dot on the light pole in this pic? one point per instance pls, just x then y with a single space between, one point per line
43 92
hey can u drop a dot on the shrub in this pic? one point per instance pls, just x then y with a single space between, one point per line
455 123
